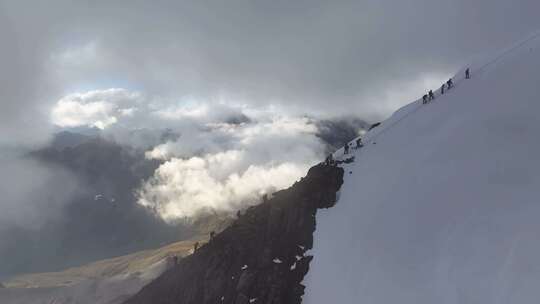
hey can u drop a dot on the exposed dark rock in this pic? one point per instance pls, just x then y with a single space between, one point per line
260 258
345 161
374 126
66 139
238 119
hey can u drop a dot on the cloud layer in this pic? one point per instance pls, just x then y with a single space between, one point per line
219 159
215 157
220 92
186 189
317 57
98 109
230 166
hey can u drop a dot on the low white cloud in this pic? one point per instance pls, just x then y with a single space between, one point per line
184 189
216 158
71 113
100 108
229 167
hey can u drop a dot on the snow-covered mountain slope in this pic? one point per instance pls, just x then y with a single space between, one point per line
442 205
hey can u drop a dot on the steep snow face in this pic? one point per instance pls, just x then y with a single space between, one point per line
442 205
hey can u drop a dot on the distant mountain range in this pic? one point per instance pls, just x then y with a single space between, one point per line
105 220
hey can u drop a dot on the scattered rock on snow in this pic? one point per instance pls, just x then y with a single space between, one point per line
374 126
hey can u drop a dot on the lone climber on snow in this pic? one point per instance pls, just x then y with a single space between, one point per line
467 74
449 83
424 99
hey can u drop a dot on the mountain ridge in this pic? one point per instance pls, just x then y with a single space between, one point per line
262 257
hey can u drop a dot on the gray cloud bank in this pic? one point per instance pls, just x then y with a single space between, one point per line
223 94
364 57
217 157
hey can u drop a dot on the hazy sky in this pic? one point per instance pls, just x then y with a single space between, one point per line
197 66
316 57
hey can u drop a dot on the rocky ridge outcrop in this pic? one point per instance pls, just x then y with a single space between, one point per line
261 258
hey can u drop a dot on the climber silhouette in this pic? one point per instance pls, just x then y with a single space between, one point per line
467 74
329 160
442 88
449 83
424 99
346 149
431 96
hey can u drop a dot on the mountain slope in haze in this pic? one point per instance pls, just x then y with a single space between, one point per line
442 203
108 281
102 220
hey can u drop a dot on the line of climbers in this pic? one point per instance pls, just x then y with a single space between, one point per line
330 158
429 96
445 86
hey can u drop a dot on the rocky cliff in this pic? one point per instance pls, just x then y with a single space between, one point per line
261 258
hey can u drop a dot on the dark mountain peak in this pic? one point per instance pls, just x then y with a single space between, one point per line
65 139
260 258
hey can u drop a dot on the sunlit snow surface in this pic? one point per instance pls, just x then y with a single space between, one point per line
445 207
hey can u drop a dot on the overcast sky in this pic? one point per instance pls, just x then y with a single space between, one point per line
315 57
197 66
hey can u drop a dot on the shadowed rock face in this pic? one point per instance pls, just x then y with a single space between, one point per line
260 258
